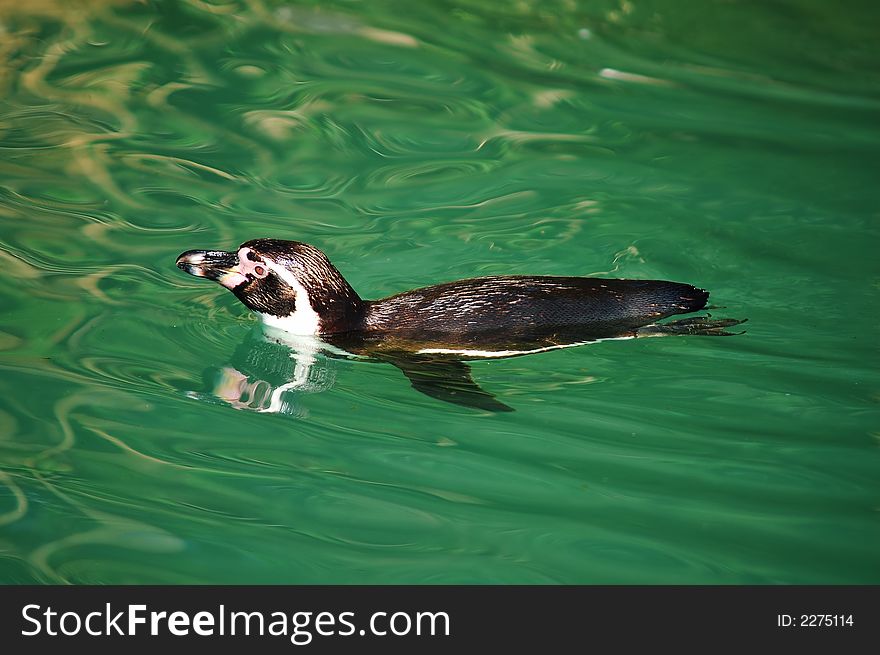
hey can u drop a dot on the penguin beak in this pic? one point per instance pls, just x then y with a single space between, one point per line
223 267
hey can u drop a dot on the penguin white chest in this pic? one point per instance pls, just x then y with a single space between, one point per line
304 319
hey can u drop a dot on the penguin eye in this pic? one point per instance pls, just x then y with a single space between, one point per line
259 270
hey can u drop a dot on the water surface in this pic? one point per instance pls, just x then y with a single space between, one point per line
728 145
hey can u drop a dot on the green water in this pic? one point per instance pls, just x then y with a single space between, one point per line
728 145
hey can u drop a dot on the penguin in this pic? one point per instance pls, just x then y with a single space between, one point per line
431 332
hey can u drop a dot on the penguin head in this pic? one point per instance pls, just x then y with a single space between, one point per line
289 284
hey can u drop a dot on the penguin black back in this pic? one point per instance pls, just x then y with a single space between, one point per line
488 304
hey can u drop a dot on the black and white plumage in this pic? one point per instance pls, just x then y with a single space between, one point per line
294 287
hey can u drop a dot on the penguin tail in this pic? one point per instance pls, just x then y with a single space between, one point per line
701 325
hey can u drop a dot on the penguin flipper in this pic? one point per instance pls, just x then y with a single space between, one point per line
447 380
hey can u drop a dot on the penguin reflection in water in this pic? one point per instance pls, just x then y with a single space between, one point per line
430 333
